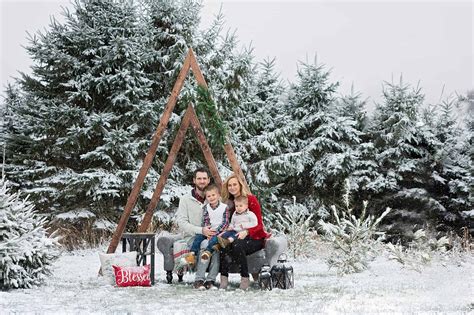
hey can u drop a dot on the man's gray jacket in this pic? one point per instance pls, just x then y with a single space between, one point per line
189 215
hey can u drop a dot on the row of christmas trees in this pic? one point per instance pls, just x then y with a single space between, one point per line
77 128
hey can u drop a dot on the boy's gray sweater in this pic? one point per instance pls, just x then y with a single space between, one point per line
243 221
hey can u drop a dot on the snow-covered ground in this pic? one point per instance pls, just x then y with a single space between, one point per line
385 288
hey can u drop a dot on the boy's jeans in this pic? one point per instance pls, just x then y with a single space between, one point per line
197 243
213 241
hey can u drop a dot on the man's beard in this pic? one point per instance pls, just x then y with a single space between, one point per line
201 188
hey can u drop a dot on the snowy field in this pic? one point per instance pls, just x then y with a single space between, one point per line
385 288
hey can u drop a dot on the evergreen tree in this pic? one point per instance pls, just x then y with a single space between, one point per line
404 149
261 129
26 251
452 179
79 126
352 105
80 122
324 137
365 170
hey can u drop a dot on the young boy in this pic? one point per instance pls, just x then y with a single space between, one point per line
215 215
242 219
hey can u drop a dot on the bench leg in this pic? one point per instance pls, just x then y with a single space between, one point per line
169 276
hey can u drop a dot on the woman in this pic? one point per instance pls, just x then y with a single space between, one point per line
249 241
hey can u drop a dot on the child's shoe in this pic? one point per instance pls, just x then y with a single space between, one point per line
217 247
190 259
223 242
206 255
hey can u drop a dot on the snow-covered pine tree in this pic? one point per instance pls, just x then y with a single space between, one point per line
404 149
324 137
452 180
353 236
80 123
26 250
295 220
365 170
420 251
261 131
353 105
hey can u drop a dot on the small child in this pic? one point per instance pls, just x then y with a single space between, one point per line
215 215
242 219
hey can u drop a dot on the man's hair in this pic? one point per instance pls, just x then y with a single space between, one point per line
201 170
211 187
242 199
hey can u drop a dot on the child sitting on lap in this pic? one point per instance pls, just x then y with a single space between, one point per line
215 215
242 219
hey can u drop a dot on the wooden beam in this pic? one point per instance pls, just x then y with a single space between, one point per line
196 70
132 198
229 150
178 141
211 162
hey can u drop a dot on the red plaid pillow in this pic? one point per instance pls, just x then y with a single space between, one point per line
132 276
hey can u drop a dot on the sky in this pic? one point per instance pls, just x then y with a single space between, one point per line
363 43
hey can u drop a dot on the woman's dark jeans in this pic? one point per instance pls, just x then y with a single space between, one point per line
237 253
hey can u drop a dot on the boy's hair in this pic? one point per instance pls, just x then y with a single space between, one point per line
211 187
242 199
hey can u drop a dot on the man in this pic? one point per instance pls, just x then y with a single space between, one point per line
189 220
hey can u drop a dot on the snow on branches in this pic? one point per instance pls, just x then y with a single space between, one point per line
351 236
26 251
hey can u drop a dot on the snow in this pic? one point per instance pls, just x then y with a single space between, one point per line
76 214
385 288
468 214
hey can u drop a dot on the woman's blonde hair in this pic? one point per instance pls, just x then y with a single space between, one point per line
244 191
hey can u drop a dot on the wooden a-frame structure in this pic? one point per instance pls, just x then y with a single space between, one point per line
190 119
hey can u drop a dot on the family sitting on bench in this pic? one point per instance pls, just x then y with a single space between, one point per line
227 228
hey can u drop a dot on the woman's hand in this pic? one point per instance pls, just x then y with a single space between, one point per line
242 234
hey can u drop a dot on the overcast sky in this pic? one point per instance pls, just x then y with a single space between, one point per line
364 43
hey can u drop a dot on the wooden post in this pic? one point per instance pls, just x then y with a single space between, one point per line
132 199
229 150
166 170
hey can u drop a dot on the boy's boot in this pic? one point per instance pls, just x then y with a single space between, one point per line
190 259
217 247
206 255
244 283
223 242
224 282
